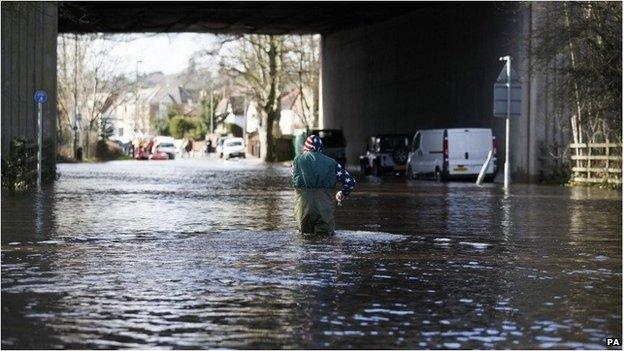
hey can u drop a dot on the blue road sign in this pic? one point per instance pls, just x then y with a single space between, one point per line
41 96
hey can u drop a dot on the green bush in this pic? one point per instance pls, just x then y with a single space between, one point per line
179 126
19 169
174 110
106 127
183 126
106 150
162 126
200 131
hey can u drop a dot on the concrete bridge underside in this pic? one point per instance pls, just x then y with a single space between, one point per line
386 67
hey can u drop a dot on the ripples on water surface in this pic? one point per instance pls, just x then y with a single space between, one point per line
200 254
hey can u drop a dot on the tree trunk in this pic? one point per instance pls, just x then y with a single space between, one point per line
272 108
87 141
576 118
265 139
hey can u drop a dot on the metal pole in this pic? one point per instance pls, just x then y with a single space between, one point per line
40 143
484 168
75 124
211 113
245 114
136 95
506 184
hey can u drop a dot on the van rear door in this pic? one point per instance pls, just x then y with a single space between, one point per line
468 150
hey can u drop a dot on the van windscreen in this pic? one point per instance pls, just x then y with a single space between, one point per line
387 144
331 138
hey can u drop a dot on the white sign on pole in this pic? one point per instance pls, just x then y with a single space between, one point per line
500 95
500 100
507 104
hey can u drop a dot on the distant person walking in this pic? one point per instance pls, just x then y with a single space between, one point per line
150 146
314 178
208 147
184 148
189 147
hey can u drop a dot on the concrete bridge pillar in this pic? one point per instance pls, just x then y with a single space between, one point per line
431 68
29 31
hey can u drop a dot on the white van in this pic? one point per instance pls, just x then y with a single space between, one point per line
451 153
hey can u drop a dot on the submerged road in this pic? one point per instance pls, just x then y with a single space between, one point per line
202 254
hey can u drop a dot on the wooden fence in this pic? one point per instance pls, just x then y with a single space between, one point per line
597 163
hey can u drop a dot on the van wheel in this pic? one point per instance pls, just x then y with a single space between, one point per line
437 175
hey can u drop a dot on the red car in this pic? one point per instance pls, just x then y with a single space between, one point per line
158 156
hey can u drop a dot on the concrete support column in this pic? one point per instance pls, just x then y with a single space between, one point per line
321 106
29 36
430 68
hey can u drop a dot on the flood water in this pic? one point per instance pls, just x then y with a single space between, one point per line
203 254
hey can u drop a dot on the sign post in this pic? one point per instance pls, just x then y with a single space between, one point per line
488 159
507 104
40 98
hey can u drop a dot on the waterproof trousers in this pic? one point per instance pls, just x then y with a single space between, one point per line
314 210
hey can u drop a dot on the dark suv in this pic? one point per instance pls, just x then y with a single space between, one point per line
334 144
385 153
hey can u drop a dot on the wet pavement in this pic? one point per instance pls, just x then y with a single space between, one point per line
203 254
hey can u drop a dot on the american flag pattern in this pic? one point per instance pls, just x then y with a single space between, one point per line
314 144
347 181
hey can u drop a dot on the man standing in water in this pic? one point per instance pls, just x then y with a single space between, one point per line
314 177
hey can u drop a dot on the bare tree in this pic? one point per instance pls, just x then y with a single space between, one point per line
304 67
257 60
581 43
70 61
88 81
267 66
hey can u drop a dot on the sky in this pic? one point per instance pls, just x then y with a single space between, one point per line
168 53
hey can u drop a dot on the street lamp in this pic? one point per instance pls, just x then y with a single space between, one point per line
507 170
136 95
75 119
211 111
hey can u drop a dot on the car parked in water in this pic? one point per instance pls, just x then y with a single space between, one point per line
385 153
159 156
166 145
452 153
233 147
334 144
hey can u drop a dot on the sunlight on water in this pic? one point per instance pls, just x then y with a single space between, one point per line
197 254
